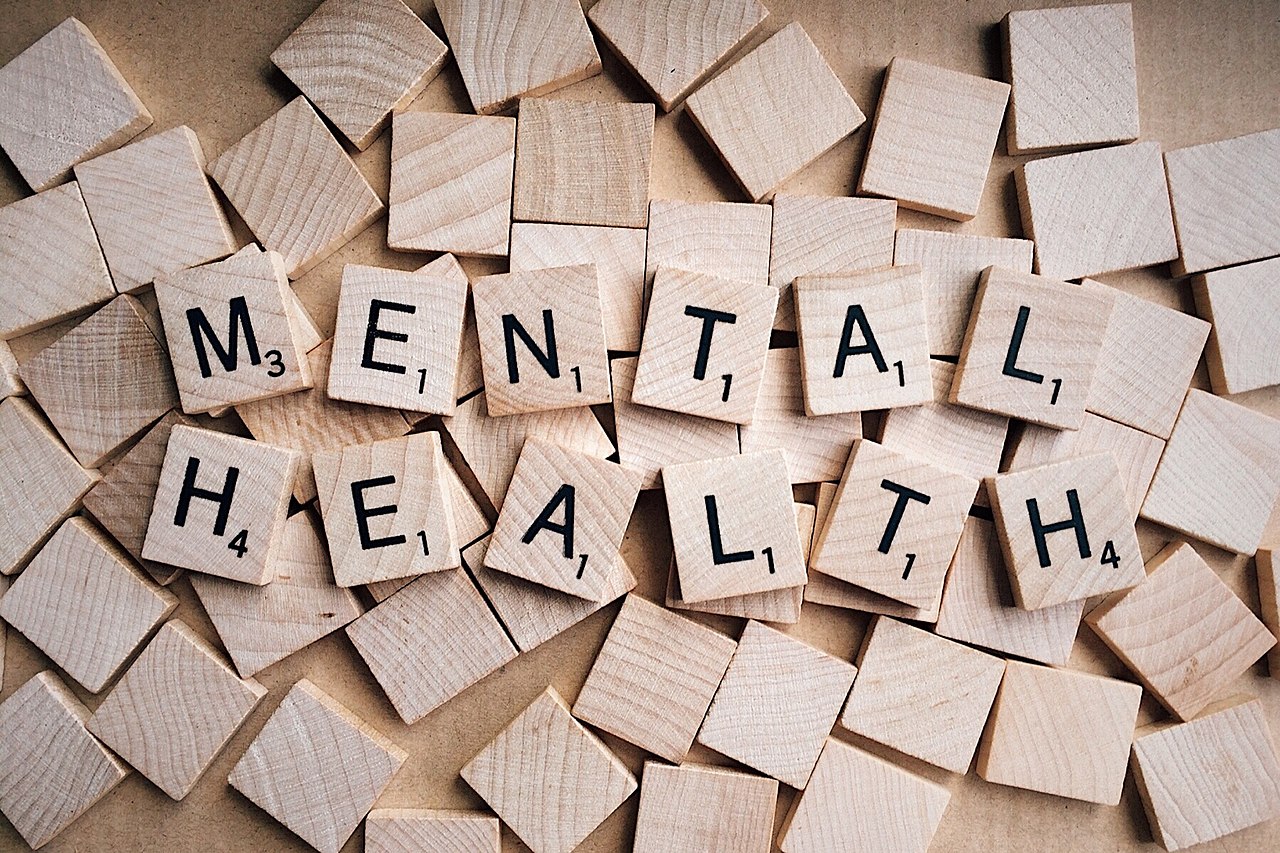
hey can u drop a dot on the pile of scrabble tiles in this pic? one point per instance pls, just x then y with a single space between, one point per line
435 477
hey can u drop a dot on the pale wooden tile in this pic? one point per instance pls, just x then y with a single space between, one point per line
1269 599
697 808
720 238
440 831
11 384
1243 305
4 587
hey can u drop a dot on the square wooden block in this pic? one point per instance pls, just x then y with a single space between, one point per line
308 736
358 62
739 111
65 101
721 238
934 135
296 188
653 680
1269 600
1060 732
705 344
1243 305
11 384
702 809
445 831
549 779
451 178
1031 348
1092 46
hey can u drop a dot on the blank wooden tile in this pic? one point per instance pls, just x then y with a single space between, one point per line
296 188
1243 305
1210 777
11 384
934 134
1060 732
739 111
856 801
441 831
57 770
451 183
549 779
720 238
1092 46
1219 477
653 679
360 61
85 604
511 49
1269 599
4 587
310 736
65 101
702 809
1031 348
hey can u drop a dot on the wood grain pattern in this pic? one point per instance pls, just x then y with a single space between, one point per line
1269 601
11 384
1245 312
440 831
720 238
697 808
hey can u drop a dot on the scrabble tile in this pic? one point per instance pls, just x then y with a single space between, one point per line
733 526
40 483
550 780
705 344
311 736
542 340
702 809
856 801
1219 477
1031 348
295 187
511 49
934 134
563 519
4 587
1092 46
207 517
59 770
762 145
1225 203
951 265
674 47
1097 211
1060 732
653 679
583 162
451 178
85 604
776 704
618 255
1245 313
50 263
358 62
407 830
1210 777
153 209
862 340
11 384
720 238
1269 599
65 101
430 641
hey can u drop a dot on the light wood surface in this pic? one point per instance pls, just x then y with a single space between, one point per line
1245 315
439 830
11 384
700 809
721 238
1269 603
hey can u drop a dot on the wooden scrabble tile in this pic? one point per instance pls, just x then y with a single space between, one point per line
50 263
470 522
11 384
358 62
720 238
85 604
1060 732
583 162
542 340
1031 348
739 111
296 188
430 641
209 518
1225 201
856 801
776 705
311 736
950 265
548 778
563 519
65 101
934 134
1092 46
702 809
4 587
1219 477
57 770
1245 312
618 256
653 679
1269 599
1210 777
153 209
451 183
407 830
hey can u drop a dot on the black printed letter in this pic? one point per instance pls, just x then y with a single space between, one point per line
564 495
201 331
855 316
718 556
1015 345
709 319
549 359
364 513
373 334
1076 522
905 496
222 499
